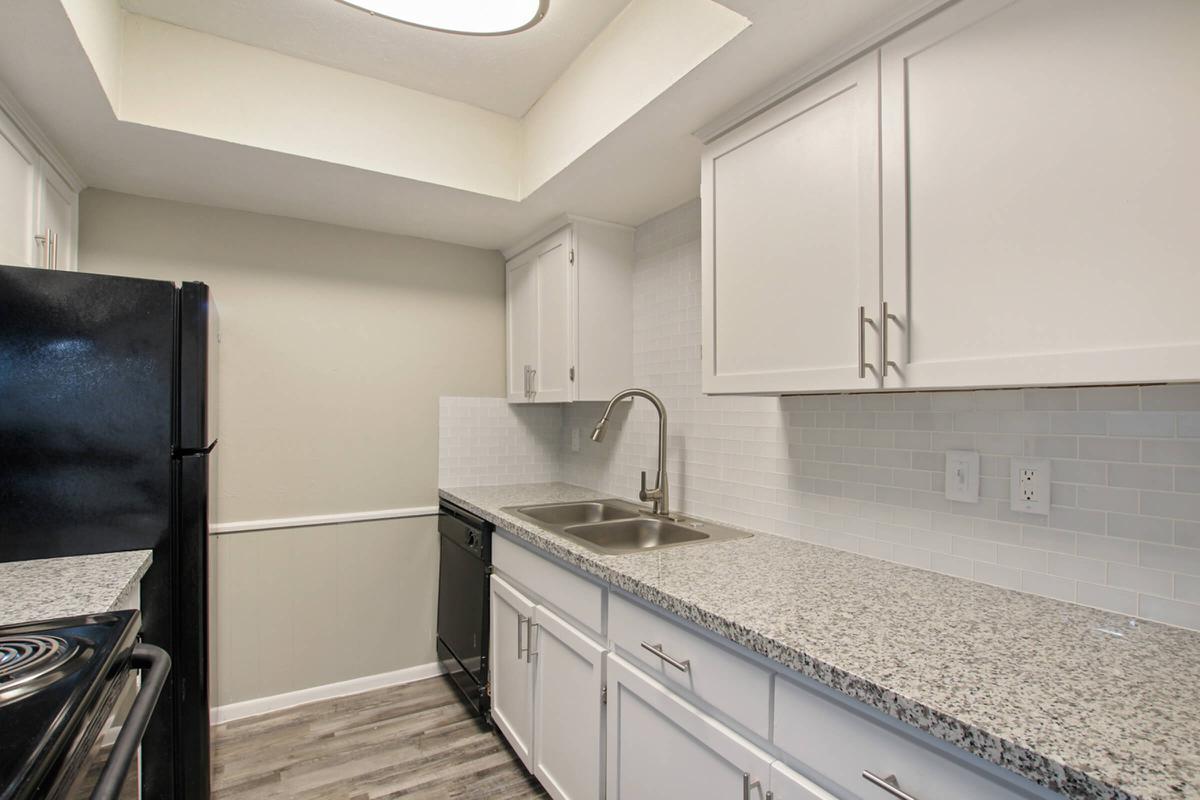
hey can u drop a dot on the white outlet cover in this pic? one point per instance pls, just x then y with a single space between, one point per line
962 476
1030 485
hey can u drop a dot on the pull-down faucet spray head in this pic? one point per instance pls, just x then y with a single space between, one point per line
658 495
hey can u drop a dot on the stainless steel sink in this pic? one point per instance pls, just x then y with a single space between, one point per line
563 514
615 527
632 535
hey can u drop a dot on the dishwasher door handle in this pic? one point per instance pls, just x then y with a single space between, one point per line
158 663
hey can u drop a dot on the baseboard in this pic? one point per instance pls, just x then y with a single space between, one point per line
276 702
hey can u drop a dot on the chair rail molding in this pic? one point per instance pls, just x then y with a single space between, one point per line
246 526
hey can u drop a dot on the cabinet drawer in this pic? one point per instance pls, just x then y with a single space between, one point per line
562 589
836 740
731 683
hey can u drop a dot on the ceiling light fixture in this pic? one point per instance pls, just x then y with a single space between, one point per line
472 17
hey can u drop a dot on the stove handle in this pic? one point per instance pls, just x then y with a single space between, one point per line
112 777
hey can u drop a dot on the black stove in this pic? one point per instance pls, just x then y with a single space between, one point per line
69 705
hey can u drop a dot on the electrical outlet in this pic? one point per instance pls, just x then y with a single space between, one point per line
1030 485
962 476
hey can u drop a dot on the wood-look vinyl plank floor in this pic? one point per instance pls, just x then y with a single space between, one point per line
415 741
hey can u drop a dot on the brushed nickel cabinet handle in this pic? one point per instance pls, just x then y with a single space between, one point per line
889 784
532 383
656 649
747 785
883 322
530 627
521 620
863 322
43 239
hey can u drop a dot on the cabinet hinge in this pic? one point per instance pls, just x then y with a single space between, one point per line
572 257
571 373
604 695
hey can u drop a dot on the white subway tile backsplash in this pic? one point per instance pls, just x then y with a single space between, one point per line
1170 452
1142 423
1140 476
1170 559
1172 612
1139 579
1122 601
1187 588
865 473
1110 398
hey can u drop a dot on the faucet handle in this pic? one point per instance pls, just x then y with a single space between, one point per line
642 494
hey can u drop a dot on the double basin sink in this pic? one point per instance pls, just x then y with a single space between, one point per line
615 527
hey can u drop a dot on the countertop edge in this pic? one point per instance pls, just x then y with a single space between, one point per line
140 573
1036 767
36 590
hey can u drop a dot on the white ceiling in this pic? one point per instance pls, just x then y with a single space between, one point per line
505 74
644 167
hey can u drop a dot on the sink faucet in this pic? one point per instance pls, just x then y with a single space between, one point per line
658 495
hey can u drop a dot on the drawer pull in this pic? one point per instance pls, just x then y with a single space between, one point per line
656 649
888 784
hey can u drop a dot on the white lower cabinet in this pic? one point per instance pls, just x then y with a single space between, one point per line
787 784
660 746
568 749
839 741
547 679
511 668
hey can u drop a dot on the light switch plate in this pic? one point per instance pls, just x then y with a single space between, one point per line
1031 485
962 476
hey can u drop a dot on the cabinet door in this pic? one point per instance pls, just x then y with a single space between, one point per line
511 670
521 299
1040 170
567 735
660 746
787 784
556 335
18 198
790 250
57 214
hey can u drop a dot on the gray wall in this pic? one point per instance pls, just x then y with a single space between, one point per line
336 344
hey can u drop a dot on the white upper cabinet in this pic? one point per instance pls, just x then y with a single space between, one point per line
39 215
521 298
791 243
569 314
18 197
58 216
1040 179
1036 217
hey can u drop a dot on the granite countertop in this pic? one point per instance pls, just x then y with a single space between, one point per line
47 588
1088 703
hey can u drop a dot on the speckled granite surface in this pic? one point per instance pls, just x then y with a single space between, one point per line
1041 687
65 587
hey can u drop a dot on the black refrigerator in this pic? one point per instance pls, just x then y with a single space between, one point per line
107 430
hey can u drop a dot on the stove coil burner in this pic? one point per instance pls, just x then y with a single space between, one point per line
26 658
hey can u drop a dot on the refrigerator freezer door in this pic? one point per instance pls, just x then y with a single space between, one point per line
86 380
191 626
198 350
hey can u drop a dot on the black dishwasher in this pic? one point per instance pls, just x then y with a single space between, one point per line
463 605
